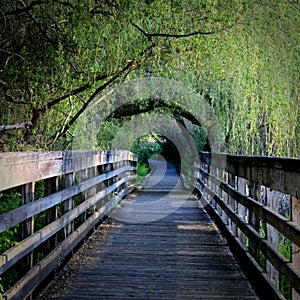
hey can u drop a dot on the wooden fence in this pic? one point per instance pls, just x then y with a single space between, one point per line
63 196
255 200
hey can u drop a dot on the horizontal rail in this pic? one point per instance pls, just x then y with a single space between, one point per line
277 173
19 168
22 213
288 228
239 192
83 187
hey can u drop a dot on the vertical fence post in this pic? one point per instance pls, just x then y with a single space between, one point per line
253 220
272 236
91 173
241 210
27 227
295 256
232 202
51 213
68 204
225 196
81 177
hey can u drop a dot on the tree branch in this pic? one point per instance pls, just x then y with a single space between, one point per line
65 123
33 18
127 68
9 98
26 125
33 4
99 77
25 9
76 91
149 35
66 127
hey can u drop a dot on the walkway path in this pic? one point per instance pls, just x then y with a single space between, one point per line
159 245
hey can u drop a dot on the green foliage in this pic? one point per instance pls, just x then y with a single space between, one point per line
9 200
248 72
1 289
285 287
106 135
145 147
142 170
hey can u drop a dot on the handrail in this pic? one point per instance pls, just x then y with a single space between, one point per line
84 186
242 193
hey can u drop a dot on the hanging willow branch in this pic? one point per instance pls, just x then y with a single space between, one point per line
39 26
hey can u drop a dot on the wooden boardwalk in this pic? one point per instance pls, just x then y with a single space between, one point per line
151 249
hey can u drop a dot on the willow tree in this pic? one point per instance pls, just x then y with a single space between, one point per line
250 76
57 56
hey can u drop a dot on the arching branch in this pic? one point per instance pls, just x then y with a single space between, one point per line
131 65
133 109
150 35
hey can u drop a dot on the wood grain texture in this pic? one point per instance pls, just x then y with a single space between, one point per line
179 256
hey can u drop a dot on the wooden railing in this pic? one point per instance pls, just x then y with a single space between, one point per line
63 196
255 201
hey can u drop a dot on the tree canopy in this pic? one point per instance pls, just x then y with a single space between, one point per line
241 57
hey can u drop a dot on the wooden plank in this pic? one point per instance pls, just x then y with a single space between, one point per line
241 209
20 214
38 273
272 236
80 160
27 226
18 174
69 203
232 202
272 254
11 256
278 173
21 168
181 256
290 229
12 158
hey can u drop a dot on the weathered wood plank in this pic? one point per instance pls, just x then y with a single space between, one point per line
40 271
15 253
22 213
21 168
288 228
278 173
180 256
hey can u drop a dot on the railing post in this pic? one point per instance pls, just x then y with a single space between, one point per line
51 213
27 227
241 210
81 177
295 255
253 220
91 173
231 201
272 236
68 204
225 196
